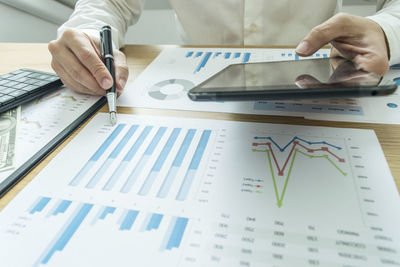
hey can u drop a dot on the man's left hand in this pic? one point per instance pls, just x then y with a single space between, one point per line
359 39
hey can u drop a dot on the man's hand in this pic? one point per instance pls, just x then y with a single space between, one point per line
77 60
359 39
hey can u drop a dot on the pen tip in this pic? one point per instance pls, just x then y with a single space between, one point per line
113 118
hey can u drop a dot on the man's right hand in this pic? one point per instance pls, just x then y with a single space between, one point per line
77 61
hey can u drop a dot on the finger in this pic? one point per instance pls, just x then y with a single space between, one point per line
323 34
71 83
121 70
305 81
88 56
74 68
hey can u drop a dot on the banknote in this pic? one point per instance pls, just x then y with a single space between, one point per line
8 137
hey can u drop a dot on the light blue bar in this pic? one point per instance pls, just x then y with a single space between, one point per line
227 55
40 205
203 61
168 234
296 57
198 54
145 223
134 174
237 55
166 185
184 148
198 154
163 192
123 142
78 178
129 220
166 150
155 141
106 211
189 54
128 157
67 233
217 54
82 173
159 162
155 221
138 168
325 55
107 142
186 184
246 57
138 143
114 154
317 55
194 164
115 176
177 233
100 172
62 207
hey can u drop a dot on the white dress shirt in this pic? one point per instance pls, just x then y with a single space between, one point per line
233 22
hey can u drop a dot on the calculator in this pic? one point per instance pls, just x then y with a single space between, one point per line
23 85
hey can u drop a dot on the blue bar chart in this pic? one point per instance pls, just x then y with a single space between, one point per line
167 230
146 160
208 56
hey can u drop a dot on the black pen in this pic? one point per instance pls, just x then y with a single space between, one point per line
108 58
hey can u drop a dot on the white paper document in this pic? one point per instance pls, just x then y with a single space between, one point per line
162 191
165 82
44 118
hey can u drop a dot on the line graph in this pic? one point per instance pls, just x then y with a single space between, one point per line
296 148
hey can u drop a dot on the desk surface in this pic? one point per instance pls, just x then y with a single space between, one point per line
36 56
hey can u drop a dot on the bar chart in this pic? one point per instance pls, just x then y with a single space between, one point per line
208 56
165 231
146 160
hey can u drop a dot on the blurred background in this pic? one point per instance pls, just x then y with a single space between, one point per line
38 20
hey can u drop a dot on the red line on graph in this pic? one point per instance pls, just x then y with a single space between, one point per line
295 143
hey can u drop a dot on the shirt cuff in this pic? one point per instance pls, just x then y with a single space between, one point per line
390 25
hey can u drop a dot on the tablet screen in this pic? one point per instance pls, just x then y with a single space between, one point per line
301 74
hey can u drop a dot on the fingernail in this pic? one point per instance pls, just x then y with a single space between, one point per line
122 82
106 83
303 47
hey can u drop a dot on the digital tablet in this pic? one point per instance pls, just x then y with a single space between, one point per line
300 79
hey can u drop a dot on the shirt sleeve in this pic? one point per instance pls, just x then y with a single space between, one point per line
388 17
90 15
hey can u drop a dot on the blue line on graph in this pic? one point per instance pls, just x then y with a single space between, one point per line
189 54
237 55
76 180
198 54
227 55
176 164
194 164
294 139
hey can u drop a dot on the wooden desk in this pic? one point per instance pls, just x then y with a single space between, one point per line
36 56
